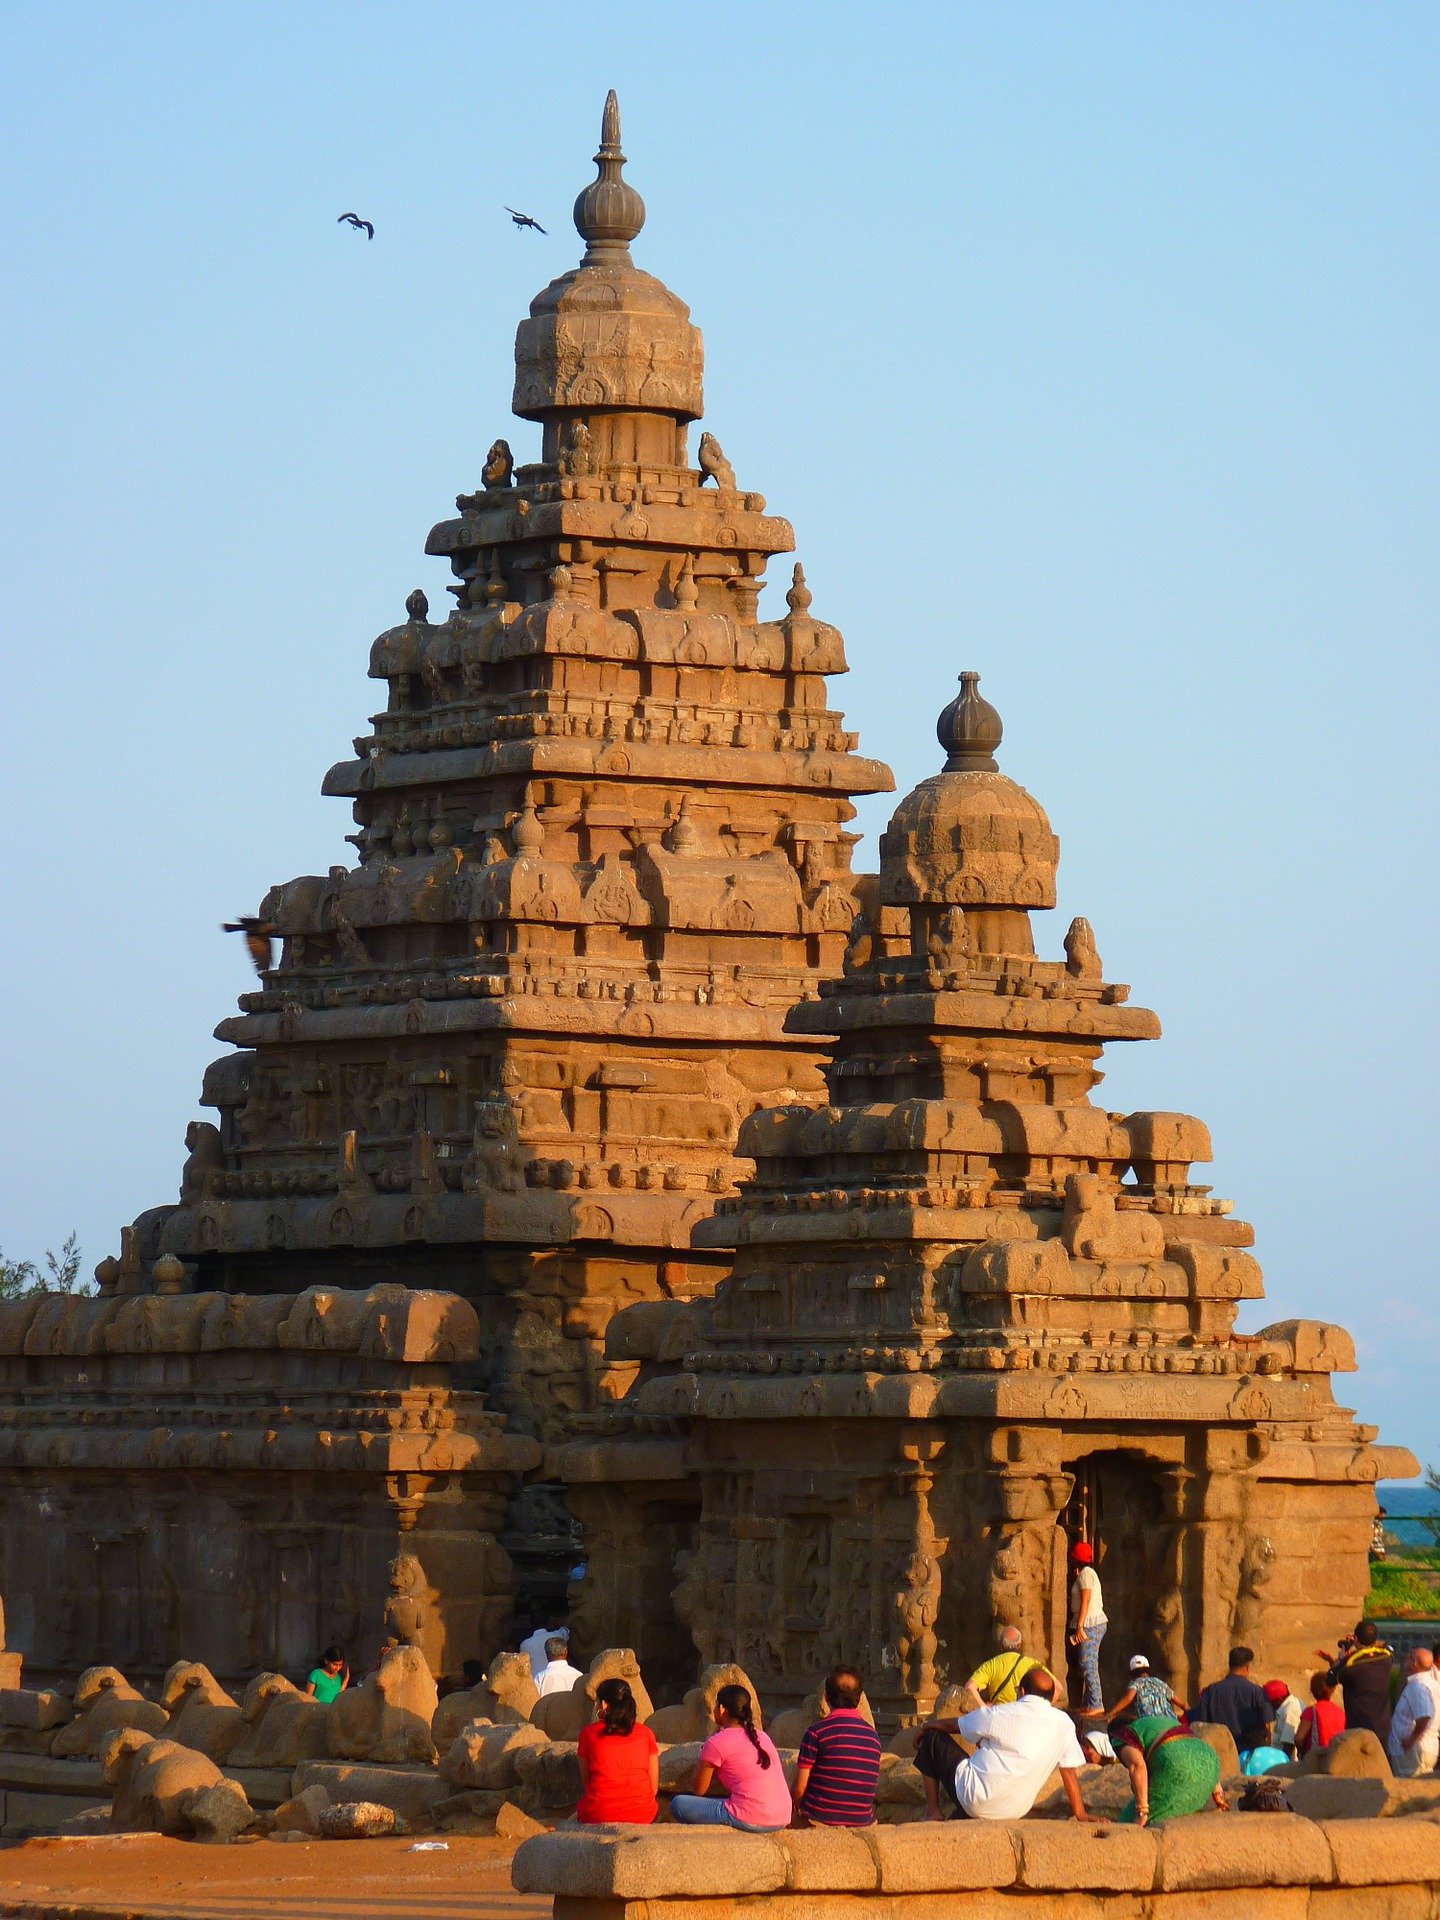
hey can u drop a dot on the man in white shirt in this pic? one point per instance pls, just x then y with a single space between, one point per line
1017 1748
558 1675
1415 1724
534 1646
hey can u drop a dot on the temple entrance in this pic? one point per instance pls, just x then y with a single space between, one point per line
1116 1505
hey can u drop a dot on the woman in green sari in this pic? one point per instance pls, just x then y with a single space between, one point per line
1171 1772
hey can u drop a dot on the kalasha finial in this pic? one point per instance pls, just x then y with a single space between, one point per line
969 730
609 213
799 596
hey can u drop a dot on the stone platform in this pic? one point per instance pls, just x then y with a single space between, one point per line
1271 1866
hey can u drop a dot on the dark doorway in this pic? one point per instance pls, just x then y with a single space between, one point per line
1116 1505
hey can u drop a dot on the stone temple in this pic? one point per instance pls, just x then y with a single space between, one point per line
602 1170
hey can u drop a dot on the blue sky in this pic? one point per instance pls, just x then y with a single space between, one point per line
1092 347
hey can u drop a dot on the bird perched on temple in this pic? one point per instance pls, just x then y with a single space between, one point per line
524 220
713 464
354 220
259 939
417 605
499 467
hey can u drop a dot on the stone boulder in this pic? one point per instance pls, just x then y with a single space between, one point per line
158 1786
302 1813
105 1703
387 1717
487 1757
356 1820
512 1823
411 1792
549 1777
562 1715
1221 1740
789 1728
1355 1754
202 1714
473 1812
220 1813
677 1765
33 1709
694 1718
282 1725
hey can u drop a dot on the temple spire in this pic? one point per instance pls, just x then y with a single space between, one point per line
609 213
969 730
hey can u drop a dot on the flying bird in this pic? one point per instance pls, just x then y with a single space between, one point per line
258 937
354 220
524 220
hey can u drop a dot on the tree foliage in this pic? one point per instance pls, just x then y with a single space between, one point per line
60 1274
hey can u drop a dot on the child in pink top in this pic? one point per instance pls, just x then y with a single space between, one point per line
746 1765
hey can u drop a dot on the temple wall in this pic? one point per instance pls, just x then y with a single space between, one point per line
242 1481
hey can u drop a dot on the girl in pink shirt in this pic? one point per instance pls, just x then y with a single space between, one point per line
746 1765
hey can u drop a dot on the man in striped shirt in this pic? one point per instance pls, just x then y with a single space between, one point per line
839 1760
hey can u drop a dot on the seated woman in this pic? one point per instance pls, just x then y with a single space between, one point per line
1171 1772
747 1766
619 1763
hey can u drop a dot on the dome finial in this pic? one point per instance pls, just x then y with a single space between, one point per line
609 213
969 730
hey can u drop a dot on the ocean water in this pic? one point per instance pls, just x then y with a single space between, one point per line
1405 1501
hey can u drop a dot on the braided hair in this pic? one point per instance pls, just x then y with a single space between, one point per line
617 1707
739 1708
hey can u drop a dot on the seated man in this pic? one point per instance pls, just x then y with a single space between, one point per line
557 1675
1017 1748
997 1680
838 1765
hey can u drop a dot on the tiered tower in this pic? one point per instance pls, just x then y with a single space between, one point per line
973 1317
603 842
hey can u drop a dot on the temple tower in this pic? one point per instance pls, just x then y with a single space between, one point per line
602 828
972 1318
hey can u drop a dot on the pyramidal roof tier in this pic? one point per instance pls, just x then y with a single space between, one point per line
603 837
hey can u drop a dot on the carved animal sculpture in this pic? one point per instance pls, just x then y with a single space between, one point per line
713 464
203 1716
354 220
282 1725
387 1717
158 1786
105 1703
1082 960
1093 1229
499 467
694 1718
206 1159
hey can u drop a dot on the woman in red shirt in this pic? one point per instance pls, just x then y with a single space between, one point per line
619 1763
1319 1724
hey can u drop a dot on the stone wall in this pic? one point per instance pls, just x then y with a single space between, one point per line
1207 1867
248 1479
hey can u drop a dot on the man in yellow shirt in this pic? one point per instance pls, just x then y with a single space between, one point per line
997 1680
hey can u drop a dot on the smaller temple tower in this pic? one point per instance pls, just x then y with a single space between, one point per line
972 1318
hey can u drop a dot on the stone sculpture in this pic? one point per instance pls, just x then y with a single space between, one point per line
161 1787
